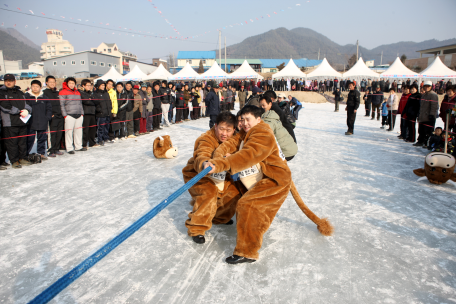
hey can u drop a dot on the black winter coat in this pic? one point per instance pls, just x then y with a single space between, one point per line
131 100
412 108
104 107
166 99
10 109
89 105
337 96
283 118
122 104
212 103
179 99
42 111
353 99
55 102
157 101
377 98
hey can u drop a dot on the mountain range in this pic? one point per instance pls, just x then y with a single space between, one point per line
16 46
306 43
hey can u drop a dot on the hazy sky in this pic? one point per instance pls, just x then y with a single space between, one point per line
372 22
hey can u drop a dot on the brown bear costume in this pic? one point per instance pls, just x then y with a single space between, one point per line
257 208
213 200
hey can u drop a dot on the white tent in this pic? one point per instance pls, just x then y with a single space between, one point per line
111 74
215 72
438 70
186 73
160 73
291 70
360 70
324 70
136 74
245 71
399 70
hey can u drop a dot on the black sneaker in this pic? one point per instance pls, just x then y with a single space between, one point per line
82 149
230 222
418 144
199 239
71 152
236 259
4 164
389 130
348 133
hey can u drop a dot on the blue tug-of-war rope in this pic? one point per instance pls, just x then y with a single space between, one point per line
53 290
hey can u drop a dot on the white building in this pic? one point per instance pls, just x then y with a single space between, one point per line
55 46
9 66
37 67
370 63
113 50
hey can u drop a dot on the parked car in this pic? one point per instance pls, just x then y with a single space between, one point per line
28 75
1 77
17 76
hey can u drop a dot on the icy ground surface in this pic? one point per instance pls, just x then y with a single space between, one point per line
395 237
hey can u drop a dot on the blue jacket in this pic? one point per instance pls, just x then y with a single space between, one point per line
212 103
294 101
384 109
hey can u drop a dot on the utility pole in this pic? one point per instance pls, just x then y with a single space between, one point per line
318 54
220 47
225 54
381 58
357 50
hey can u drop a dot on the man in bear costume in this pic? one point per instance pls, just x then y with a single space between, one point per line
263 171
215 196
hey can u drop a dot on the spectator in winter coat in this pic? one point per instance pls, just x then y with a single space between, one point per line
384 115
367 103
38 123
284 139
165 99
401 110
157 102
448 103
137 111
89 104
102 112
393 105
14 129
172 102
179 104
144 114
429 107
242 94
296 104
195 105
57 123
113 126
149 103
213 106
187 99
377 99
122 102
130 115
73 112
337 99
353 101
411 110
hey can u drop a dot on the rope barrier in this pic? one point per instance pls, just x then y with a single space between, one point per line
53 290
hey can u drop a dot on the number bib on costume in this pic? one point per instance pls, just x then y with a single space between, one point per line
250 176
219 179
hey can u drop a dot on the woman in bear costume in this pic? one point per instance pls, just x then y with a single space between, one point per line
215 196
263 171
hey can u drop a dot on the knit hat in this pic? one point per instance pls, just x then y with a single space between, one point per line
427 83
136 86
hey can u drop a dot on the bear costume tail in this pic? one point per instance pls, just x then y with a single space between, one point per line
323 225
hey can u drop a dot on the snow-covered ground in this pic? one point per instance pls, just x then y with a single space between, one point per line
394 241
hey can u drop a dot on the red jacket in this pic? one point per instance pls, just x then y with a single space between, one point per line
447 105
402 104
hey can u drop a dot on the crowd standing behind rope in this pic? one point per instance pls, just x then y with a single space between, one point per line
82 116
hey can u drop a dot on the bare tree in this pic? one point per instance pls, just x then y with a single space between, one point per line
201 67
352 60
403 58
281 66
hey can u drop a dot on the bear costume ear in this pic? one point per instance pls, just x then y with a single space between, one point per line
453 177
420 172
162 141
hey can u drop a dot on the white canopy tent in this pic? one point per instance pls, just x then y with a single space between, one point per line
186 73
214 72
399 70
324 70
136 74
438 70
111 74
160 73
245 71
360 70
290 71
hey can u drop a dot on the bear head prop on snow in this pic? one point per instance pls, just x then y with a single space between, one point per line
163 147
438 168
